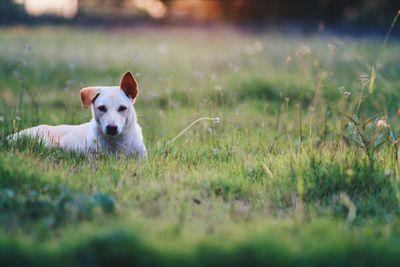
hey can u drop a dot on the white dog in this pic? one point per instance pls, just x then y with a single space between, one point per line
112 130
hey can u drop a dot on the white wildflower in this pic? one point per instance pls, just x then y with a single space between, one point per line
363 77
303 51
216 120
382 123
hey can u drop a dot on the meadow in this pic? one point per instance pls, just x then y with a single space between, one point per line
300 168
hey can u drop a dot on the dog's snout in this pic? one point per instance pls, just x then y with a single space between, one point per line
112 129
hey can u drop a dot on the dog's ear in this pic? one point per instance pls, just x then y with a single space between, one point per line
129 86
88 95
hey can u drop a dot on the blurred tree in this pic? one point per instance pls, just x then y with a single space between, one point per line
330 11
9 11
365 12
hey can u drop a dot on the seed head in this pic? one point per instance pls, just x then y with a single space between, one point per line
346 94
332 47
363 77
216 120
303 51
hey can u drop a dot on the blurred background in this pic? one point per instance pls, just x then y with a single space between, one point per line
307 14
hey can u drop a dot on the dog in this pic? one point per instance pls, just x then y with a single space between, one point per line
113 129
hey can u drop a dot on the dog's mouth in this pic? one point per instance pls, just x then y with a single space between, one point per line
112 134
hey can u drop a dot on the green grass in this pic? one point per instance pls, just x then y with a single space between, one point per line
245 191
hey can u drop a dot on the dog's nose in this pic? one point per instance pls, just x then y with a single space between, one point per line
112 129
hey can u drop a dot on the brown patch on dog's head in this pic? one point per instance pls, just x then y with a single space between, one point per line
88 95
129 85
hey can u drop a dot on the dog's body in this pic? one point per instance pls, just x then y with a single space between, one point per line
112 130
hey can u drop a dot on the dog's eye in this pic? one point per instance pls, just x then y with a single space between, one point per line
122 108
102 108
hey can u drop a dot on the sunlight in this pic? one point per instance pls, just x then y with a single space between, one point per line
64 8
155 8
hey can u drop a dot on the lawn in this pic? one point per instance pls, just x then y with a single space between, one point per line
300 169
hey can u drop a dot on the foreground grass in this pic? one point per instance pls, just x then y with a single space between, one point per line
282 246
264 185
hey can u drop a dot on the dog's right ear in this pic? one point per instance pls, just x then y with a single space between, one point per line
88 95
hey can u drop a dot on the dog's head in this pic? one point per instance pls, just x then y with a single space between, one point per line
112 106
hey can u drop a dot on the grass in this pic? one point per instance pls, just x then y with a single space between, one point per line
246 190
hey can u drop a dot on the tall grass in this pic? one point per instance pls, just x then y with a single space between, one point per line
252 189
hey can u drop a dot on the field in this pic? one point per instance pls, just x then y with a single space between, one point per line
299 169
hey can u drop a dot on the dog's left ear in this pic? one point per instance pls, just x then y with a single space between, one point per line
129 86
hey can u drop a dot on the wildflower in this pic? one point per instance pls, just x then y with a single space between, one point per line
1 119
346 94
288 59
363 77
215 120
303 51
382 123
